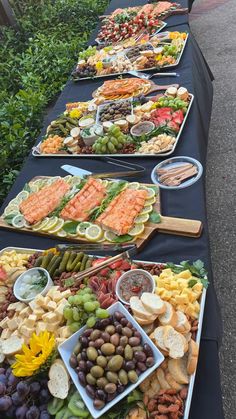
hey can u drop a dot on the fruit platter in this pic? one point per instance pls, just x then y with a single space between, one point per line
133 21
75 351
162 50
117 123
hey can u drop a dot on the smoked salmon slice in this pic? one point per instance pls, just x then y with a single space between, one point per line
120 214
89 197
39 204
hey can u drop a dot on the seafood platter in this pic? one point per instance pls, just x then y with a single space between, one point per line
92 210
145 53
120 342
133 21
120 121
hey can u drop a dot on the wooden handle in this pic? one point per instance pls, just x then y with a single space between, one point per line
180 226
158 87
183 11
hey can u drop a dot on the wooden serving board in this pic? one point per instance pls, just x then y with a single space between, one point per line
168 225
153 88
164 15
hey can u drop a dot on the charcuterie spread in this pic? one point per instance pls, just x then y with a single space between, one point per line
134 360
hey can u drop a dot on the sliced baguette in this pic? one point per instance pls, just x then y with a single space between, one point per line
12 345
193 350
144 322
162 380
153 303
182 325
174 342
178 370
140 311
58 383
159 337
155 385
171 381
149 328
169 317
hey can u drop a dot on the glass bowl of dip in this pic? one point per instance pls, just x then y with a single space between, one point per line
133 284
32 282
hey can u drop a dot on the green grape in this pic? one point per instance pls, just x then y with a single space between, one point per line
111 147
87 290
89 306
71 300
86 298
97 304
67 313
120 146
91 321
76 314
69 322
114 141
93 297
75 326
101 313
78 300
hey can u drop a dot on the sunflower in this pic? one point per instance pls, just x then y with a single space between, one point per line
35 355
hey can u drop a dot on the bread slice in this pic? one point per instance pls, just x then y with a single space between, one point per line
193 350
149 328
178 370
162 380
187 336
140 311
12 345
159 337
174 342
58 384
153 303
155 385
144 322
182 325
169 317
171 381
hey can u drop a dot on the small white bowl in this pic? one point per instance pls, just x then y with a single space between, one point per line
19 280
149 124
126 274
66 349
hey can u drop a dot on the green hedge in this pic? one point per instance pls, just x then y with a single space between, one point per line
35 63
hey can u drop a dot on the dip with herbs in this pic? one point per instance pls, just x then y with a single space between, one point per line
32 284
134 283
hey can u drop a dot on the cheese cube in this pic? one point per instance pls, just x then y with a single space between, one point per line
59 341
26 331
185 274
166 295
60 308
52 305
6 333
12 324
25 312
40 327
197 287
65 332
57 296
30 322
49 317
66 293
181 299
3 323
52 327
15 333
52 291
38 312
33 304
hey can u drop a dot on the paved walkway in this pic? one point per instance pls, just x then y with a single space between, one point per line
213 23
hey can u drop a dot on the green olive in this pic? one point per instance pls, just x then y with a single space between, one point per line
97 371
101 382
112 377
108 349
101 361
110 329
90 379
92 353
115 363
123 377
128 353
133 376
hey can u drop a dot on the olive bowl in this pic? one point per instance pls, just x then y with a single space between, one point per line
66 348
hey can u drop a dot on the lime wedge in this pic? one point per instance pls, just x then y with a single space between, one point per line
18 221
41 224
136 230
57 227
146 210
142 218
52 222
82 227
10 209
93 233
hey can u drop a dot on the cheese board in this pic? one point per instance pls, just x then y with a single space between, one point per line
92 210
136 127
150 386
160 51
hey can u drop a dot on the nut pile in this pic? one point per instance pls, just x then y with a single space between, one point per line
168 404
159 144
110 356
114 111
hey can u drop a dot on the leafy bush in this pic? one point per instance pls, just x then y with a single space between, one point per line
35 63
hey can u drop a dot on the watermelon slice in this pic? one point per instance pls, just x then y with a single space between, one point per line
3 274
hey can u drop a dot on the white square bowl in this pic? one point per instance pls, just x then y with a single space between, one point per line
66 349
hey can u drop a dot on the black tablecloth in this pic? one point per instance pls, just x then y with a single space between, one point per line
186 203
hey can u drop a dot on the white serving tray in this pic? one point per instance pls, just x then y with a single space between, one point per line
36 152
200 321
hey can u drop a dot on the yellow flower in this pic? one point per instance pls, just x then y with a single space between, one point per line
34 355
99 65
75 113
158 57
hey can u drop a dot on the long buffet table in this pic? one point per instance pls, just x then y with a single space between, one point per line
187 203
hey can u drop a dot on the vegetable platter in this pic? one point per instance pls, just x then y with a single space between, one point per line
119 124
133 21
145 53
172 320
92 210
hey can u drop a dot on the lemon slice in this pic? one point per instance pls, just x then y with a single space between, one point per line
133 185
142 218
110 236
18 221
82 227
10 209
61 233
105 183
57 227
93 233
75 180
51 224
150 201
151 193
146 210
34 187
22 196
136 230
41 224
68 178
